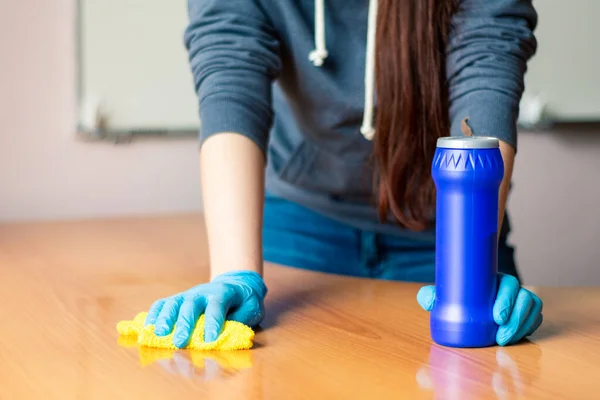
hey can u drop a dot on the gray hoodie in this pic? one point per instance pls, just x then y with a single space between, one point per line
296 77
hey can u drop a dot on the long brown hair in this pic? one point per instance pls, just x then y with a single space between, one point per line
413 104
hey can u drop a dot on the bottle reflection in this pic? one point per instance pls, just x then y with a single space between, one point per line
193 364
466 373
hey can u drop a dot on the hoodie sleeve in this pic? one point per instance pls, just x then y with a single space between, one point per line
234 56
489 45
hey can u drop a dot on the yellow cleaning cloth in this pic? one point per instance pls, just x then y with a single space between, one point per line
235 335
227 360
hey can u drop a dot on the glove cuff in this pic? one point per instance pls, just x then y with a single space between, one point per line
250 278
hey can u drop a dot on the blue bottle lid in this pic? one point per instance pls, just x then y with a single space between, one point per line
467 142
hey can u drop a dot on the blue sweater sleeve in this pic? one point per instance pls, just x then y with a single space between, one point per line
234 56
489 46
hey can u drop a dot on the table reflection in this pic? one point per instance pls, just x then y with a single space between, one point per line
466 373
193 364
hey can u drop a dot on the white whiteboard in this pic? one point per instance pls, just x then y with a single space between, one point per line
133 67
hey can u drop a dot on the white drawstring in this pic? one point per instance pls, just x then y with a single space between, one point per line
367 129
319 54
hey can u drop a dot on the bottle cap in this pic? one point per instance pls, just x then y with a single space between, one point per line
467 142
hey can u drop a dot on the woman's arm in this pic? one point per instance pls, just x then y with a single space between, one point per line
490 44
232 173
234 57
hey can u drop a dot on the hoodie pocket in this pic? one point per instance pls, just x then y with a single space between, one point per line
313 169
299 161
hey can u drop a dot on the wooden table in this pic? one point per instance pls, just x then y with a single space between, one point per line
64 286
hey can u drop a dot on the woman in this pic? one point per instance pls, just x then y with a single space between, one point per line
361 110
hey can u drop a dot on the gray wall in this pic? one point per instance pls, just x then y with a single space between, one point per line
555 206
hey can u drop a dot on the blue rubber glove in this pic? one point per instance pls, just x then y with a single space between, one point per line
237 296
517 311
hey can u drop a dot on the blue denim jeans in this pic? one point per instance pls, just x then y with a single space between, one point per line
298 237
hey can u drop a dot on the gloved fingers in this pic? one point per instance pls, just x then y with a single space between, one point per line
518 316
426 297
154 311
214 316
250 313
505 299
539 316
167 316
537 324
531 319
190 311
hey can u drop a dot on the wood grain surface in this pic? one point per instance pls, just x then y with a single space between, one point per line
64 286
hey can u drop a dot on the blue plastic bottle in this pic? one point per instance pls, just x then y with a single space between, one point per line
467 172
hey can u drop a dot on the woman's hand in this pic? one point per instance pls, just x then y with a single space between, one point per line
237 296
517 311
